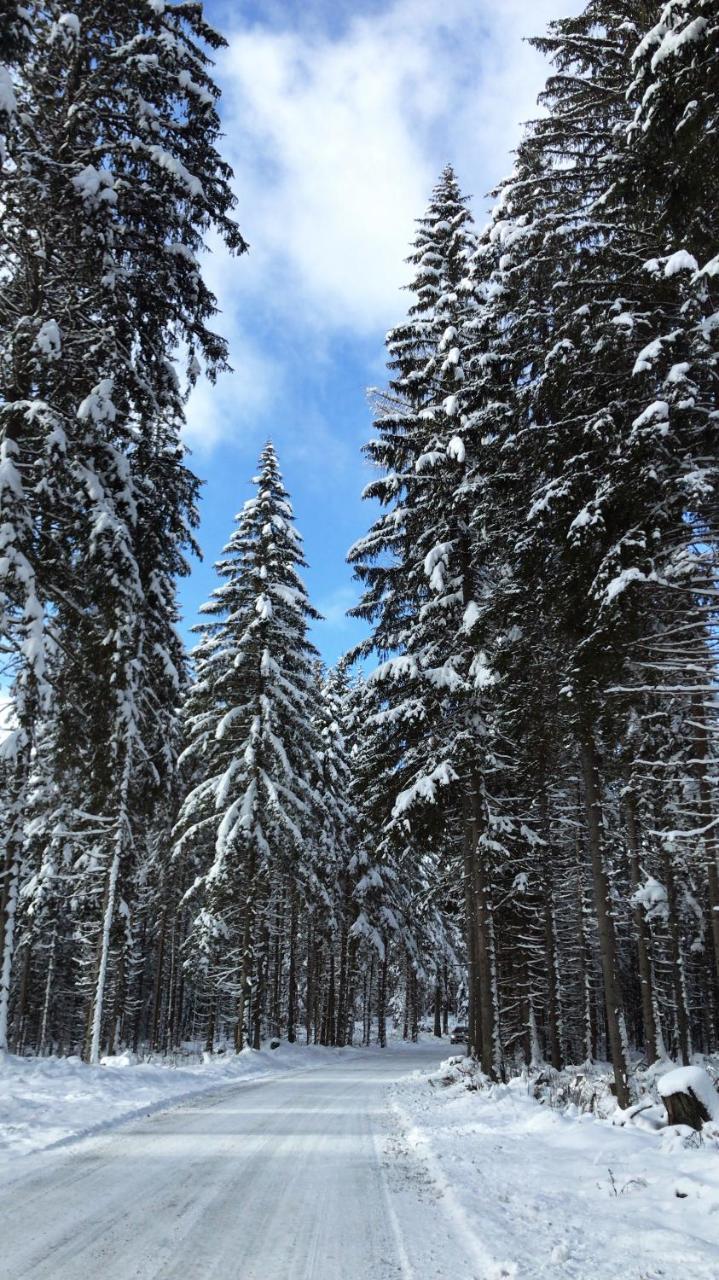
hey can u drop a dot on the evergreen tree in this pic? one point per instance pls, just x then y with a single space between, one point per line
251 725
115 182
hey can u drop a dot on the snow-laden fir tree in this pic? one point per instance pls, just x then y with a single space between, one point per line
114 183
256 810
422 567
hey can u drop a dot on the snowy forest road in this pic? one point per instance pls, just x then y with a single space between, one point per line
298 1178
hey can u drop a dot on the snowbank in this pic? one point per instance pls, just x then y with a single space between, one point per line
545 1192
47 1101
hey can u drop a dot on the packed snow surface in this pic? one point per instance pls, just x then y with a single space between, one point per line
45 1101
358 1168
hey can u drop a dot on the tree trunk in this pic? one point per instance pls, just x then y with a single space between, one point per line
483 936
642 935
309 986
382 998
550 955
292 974
707 816
678 982
92 1047
14 841
158 985
211 1020
605 920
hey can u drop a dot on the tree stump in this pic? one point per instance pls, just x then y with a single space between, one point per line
686 1108
690 1097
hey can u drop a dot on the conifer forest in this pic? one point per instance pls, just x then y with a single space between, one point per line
500 808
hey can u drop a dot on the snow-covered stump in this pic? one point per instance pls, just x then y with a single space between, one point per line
689 1096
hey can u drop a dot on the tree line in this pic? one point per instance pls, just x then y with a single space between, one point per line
508 809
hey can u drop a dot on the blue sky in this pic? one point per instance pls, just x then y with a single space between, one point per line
338 119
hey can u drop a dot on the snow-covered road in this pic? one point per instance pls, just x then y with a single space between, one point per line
291 1179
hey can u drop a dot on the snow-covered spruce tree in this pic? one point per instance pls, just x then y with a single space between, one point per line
668 171
422 568
252 741
605 493
114 184
581 509
339 844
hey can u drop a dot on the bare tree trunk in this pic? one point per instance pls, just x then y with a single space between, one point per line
341 1033
437 1008
211 1021
382 998
550 955
310 980
678 982
474 1006
484 1006
13 844
607 940
708 817
642 934
292 974
367 1019
48 993
414 1007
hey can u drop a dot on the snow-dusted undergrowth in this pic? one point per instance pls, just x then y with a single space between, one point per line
563 1191
46 1101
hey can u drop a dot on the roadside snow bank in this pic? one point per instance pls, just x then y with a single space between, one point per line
562 1193
46 1101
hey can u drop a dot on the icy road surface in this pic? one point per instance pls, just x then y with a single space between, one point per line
294 1179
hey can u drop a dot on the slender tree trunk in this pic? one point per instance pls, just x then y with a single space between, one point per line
367 1018
351 989
474 1005
641 934
13 843
277 977
92 1049
382 998
554 1014
318 989
678 979
247 961
414 1007
438 1009
483 934
708 817
309 985
292 974
158 983
605 921
550 958
48 994
258 994
341 1032
211 1022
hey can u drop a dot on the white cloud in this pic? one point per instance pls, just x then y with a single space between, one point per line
336 140
334 606
235 406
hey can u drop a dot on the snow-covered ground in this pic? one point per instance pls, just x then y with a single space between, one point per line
48 1101
313 1164
537 1192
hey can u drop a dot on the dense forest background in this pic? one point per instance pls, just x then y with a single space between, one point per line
502 805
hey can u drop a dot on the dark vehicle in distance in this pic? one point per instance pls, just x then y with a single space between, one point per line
460 1035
